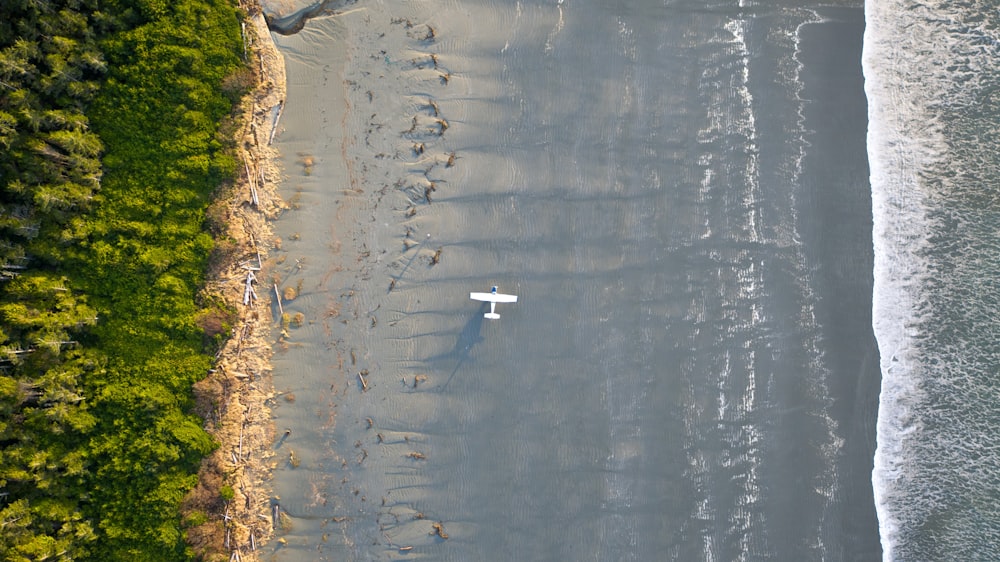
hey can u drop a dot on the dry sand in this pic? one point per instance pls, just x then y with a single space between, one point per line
235 398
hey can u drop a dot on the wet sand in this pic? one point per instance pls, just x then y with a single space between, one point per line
359 155
630 422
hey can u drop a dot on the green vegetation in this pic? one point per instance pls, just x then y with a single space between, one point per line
109 153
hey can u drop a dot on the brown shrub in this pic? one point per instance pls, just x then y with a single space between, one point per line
216 321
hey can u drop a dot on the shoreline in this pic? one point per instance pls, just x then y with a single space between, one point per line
231 510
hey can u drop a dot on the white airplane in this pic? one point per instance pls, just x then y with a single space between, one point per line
492 297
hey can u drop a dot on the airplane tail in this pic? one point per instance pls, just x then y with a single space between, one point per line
491 315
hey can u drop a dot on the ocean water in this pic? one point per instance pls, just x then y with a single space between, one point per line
931 81
679 194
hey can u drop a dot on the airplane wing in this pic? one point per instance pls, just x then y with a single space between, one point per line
492 297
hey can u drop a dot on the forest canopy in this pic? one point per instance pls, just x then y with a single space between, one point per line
109 153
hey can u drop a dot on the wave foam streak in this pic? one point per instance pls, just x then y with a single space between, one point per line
759 376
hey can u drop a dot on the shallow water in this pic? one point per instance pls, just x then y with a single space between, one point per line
678 194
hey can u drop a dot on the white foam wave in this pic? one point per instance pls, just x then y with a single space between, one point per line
898 221
912 78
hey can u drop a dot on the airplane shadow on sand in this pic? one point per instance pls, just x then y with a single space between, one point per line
467 338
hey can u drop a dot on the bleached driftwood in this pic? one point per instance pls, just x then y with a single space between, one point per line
277 295
274 126
252 183
248 291
243 35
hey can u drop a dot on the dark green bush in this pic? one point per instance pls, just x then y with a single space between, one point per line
109 153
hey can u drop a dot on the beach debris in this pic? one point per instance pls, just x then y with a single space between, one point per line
417 456
413 126
364 383
277 116
436 258
284 437
419 379
427 34
439 530
307 161
451 160
295 202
